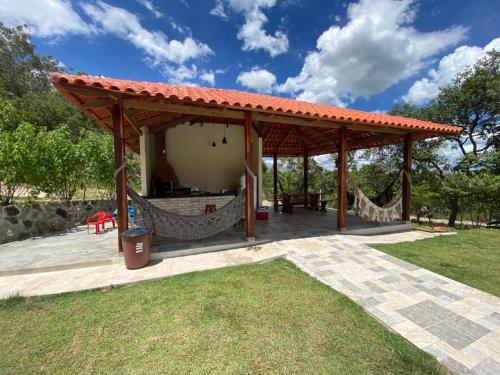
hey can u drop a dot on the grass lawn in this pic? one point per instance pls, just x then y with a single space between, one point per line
269 318
472 256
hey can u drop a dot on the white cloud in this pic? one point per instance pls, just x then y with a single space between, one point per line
208 77
218 10
257 79
181 73
427 88
325 161
148 4
186 74
155 44
375 49
44 18
252 32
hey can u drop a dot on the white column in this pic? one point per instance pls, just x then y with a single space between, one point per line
146 168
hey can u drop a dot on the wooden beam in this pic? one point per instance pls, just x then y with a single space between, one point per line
180 108
305 167
305 139
275 181
98 103
249 201
406 188
172 123
90 91
373 139
289 120
121 177
265 132
131 121
195 120
256 127
342 180
323 136
323 123
236 113
152 121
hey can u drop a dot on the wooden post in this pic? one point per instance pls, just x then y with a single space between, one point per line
249 199
275 181
121 177
342 180
407 161
306 177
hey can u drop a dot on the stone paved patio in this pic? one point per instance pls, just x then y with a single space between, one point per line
457 324
72 248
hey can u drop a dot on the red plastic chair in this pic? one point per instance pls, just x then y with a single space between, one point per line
109 218
97 220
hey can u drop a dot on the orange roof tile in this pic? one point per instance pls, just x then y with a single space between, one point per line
244 99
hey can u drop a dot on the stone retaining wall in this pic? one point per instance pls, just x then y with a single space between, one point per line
20 222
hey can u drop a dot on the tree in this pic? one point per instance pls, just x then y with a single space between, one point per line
21 69
424 201
472 101
61 163
18 160
98 162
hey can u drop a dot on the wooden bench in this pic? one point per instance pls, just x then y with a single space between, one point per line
291 200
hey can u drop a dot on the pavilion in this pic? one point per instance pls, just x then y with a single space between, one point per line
267 126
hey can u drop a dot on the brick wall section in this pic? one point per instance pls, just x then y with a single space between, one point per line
190 205
160 146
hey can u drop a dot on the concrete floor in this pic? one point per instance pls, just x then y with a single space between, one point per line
75 248
303 223
63 250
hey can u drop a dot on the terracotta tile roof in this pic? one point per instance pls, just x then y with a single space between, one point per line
255 101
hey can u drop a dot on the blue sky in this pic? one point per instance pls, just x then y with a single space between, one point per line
364 54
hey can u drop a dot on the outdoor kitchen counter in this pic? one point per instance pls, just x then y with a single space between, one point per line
191 205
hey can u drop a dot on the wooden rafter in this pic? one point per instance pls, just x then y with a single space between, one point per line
98 103
284 139
179 108
131 121
373 140
172 123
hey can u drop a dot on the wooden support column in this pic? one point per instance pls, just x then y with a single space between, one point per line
407 161
275 181
342 180
121 177
305 166
249 198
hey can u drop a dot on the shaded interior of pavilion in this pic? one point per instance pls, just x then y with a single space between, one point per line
172 126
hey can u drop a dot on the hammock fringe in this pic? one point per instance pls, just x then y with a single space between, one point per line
187 227
372 213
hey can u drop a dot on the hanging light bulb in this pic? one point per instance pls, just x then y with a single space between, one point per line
224 140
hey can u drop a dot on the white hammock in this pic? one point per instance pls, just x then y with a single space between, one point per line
371 213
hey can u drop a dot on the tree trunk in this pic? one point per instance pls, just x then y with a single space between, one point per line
453 212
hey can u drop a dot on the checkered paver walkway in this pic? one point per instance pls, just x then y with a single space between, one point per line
457 324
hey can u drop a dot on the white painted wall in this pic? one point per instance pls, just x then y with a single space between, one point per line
146 156
197 163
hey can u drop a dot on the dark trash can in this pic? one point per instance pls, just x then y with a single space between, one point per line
136 247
